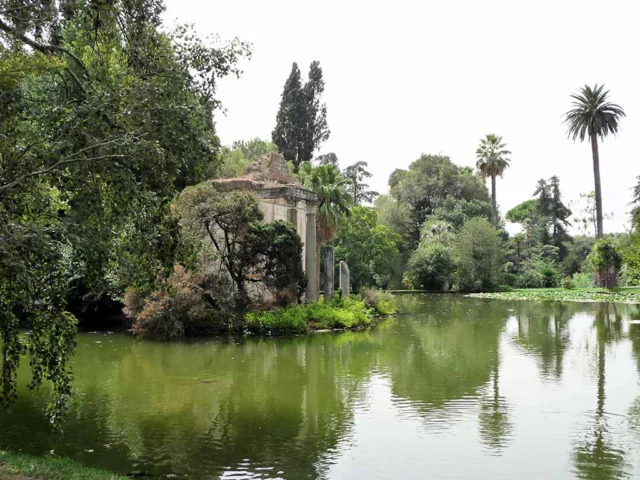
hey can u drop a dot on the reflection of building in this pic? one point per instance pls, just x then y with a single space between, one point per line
281 197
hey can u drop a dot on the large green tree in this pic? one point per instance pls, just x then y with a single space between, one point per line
479 254
356 174
301 122
592 115
492 160
434 185
370 249
93 96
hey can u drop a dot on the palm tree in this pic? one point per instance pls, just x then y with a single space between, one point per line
593 115
438 231
333 201
518 239
492 160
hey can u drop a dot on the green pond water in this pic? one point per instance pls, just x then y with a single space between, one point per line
453 388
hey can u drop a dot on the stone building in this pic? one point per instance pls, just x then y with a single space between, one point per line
281 197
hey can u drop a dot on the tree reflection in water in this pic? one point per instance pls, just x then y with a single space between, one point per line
596 455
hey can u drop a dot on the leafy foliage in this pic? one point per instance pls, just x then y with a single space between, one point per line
370 249
479 254
235 161
356 174
347 313
334 201
433 185
248 251
523 212
274 251
327 159
432 266
577 250
92 99
631 259
606 262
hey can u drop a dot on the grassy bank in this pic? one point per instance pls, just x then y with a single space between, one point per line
345 314
17 466
619 295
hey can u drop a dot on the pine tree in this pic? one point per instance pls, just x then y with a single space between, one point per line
356 174
301 123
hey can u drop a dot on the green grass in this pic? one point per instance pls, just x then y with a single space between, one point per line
347 314
17 466
618 295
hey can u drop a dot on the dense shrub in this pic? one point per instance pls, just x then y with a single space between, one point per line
567 283
183 304
432 266
631 259
273 251
347 313
540 269
606 262
169 311
383 303
290 320
479 253
583 279
577 251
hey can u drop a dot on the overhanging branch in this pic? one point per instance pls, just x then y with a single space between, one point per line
56 166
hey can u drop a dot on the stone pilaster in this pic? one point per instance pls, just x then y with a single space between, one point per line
329 272
310 253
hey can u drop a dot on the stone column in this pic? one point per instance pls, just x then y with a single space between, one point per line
329 269
344 279
310 253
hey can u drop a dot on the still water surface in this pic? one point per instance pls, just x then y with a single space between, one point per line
453 388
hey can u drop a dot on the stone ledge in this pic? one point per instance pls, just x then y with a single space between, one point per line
266 191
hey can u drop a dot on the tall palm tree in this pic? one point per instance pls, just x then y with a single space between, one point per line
333 201
492 160
593 115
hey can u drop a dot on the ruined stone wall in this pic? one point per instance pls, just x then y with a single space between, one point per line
279 209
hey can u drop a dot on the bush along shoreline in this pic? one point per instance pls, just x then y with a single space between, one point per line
614 295
352 313
183 313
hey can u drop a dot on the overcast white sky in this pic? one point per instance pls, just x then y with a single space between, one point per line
407 77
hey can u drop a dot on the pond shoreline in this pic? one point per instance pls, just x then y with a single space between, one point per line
19 466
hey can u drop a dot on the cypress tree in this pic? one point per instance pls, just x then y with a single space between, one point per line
301 123
291 119
317 130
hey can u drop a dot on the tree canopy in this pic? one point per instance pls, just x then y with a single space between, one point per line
434 185
93 98
356 174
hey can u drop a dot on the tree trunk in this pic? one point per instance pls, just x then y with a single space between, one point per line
596 175
494 206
